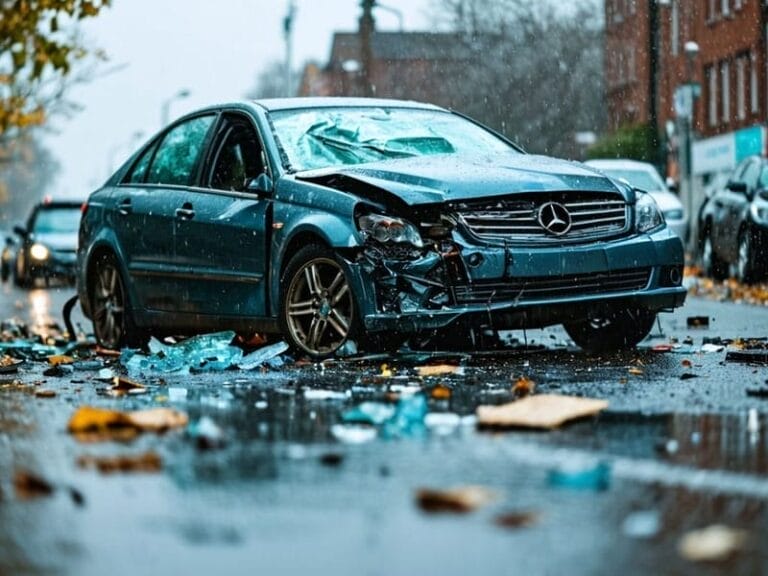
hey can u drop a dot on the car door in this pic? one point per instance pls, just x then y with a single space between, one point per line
736 206
722 214
146 206
221 241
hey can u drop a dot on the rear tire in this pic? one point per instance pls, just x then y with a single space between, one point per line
318 309
619 330
113 323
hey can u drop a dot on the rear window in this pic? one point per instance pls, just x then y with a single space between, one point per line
57 220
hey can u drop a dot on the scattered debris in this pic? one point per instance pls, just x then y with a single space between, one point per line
581 475
442 423
408 419
545 411
457 500
373 413
122 386
9 364
688 376
440 392
45 393
517 520
98 424
642 524
711 348
147 462
206 434
353 433
29 485
439 370
206 352
325 395
747 356
758 392
635 371
523 387
698 322
332 459
712 544
60 359
265 355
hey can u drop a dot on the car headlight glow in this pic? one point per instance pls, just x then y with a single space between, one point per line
647 213
39 251
385 229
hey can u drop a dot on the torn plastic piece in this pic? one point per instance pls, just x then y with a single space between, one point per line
353 433
263 355
711 348
579 475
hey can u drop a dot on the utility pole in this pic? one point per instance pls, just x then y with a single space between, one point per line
367 25
288 34
653 78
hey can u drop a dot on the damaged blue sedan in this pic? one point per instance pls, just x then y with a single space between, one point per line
361 223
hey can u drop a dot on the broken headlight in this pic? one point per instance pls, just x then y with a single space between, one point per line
647 213
385 229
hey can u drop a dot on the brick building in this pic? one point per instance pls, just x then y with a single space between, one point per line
646 64
407 65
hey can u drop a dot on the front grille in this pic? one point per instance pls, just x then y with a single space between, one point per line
546 287
592 216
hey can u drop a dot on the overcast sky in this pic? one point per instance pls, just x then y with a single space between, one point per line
213 49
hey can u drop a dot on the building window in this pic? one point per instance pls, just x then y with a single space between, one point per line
741 88
725 6
753 99
632 76
711 10
738 4
711 74
674 29
725 90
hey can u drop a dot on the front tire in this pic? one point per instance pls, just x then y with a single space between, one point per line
113 323
747 267
713 265
318 312
619 330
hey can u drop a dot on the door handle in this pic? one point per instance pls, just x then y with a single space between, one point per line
124 207
186 212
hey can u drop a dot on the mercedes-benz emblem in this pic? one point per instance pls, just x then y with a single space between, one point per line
555 218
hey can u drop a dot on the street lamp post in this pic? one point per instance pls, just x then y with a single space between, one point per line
165 109
691 50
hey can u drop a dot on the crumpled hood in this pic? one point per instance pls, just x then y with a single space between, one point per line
450 178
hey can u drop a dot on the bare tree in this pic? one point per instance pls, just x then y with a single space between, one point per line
536 68
270 82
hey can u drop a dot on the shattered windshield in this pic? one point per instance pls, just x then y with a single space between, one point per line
324 137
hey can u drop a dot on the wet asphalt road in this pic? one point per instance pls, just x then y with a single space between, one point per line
286 496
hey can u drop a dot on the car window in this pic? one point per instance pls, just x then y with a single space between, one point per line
763 181
56 221
139 171
751 174
642 179
238 156
179 151
738 173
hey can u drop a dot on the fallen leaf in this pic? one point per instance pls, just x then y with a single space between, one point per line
697 321
459 500
436 370
385 371
636 371
97 424
147 462
122 385
711 544
441 392
514 520
687 363
45 393
29 485
523 387
544 411
60 359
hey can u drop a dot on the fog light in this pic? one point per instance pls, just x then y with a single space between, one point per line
39 252
675 277
475 259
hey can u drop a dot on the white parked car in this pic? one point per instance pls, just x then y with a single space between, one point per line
644 176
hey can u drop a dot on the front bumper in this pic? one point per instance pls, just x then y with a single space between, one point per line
58 264
521 287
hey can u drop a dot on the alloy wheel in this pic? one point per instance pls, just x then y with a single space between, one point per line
108 305
320 309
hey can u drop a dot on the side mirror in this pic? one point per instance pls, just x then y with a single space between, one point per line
21 231
262 184
738 187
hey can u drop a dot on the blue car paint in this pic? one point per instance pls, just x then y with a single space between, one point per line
306 203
